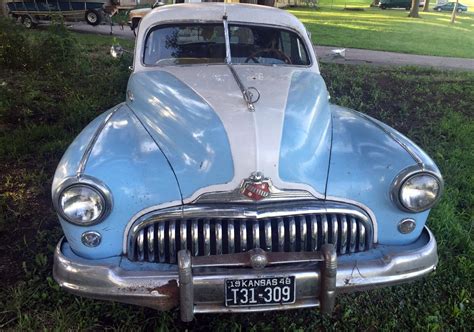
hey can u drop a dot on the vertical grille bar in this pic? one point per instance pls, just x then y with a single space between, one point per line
172 241
314 233
334 228
268 234
161 242
243 235
353 235
150 236
141 245
343 246
183 234
361 236
231 237
195 237
218 234
281 234
206 229
256 234
303 232
292 233
324 229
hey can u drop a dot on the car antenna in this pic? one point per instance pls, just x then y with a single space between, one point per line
251 95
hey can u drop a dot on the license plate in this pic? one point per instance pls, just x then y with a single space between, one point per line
260 291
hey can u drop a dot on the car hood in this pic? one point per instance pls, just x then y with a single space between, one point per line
198 118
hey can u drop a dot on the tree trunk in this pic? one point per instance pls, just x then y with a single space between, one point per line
415 4
455 9
426 7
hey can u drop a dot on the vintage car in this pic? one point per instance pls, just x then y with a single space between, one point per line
228 182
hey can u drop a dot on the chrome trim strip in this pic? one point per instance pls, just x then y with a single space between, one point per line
415 157
235 196
90 146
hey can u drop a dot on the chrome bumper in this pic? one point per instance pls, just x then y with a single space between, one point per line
197 284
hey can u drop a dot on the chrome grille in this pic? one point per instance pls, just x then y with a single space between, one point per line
158 238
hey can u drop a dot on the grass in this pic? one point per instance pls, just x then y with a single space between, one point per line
389 30
42 108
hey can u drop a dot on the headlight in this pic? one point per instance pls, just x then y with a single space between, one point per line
83 200
417 192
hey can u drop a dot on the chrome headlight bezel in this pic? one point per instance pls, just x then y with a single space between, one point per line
90 183
408 174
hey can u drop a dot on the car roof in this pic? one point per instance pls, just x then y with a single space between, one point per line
213 11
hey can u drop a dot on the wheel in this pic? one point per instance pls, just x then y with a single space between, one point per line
382 7
93 17
27 21
407 8
439 9
459 11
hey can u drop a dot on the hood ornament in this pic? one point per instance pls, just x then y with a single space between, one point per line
256 187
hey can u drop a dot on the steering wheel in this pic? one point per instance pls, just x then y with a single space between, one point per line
274 53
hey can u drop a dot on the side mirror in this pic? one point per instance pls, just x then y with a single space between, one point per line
116 51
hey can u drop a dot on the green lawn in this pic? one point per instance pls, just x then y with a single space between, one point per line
48 94
389 30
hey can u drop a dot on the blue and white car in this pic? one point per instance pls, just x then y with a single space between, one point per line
228 182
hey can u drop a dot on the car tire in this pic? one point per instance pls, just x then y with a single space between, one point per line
93 17
439 9
382 7
27 21
459 11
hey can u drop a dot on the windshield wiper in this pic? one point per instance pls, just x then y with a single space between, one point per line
251 95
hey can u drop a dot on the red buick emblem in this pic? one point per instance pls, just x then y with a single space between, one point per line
255 190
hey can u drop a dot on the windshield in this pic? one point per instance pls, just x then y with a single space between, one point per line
205 44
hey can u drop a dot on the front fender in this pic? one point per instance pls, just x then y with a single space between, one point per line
366 157
125 158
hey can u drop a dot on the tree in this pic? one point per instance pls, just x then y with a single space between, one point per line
426 6
455 9
414 9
